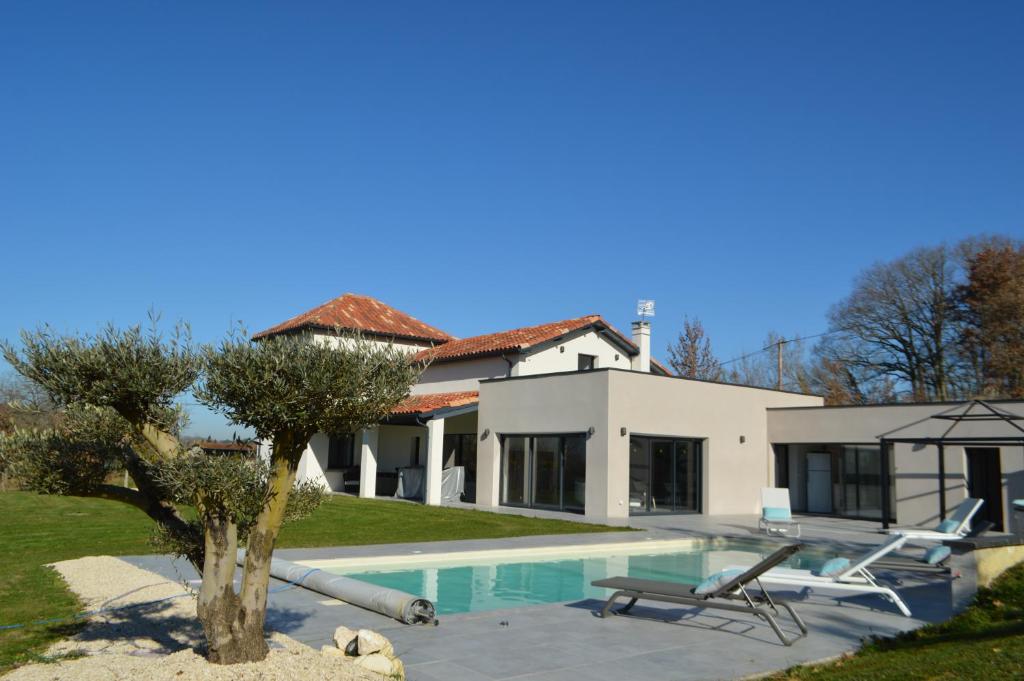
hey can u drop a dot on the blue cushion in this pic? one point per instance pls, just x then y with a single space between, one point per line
937 554
948 526
833 567
717 581
773 513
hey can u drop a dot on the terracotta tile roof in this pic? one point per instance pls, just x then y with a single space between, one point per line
353 312
518 340
422 404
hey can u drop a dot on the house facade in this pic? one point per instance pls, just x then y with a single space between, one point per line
574 416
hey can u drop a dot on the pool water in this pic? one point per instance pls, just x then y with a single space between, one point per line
482 585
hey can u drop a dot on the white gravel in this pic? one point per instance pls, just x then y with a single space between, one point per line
159 641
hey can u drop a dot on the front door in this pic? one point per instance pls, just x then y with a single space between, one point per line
985 481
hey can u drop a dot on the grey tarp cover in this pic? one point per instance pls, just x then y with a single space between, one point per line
391 602
411 482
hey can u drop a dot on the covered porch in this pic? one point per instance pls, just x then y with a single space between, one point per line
424 451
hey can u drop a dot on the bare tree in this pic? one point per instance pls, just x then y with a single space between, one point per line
691 356
899 325
761 368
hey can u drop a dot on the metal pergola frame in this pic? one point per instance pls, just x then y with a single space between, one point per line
987 413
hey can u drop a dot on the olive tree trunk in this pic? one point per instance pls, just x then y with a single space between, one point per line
234 623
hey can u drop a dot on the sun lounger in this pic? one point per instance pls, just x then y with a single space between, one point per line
729 593
844 575
955 527
776 514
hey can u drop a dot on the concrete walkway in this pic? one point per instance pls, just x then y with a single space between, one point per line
569 641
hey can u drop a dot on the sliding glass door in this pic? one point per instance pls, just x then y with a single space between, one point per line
544 471
664 475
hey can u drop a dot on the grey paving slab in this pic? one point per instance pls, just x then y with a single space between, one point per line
564 641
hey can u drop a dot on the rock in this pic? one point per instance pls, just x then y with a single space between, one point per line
332 651
376 662
344 636
397 668
370 642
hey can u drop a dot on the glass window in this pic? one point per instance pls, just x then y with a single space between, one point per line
514 471
545 471
664 475
340 451
586 362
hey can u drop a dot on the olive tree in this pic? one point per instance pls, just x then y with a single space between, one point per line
117 392
286 389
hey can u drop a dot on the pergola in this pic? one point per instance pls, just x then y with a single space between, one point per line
948 428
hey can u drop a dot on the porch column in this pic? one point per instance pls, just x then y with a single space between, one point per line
368 462
435 460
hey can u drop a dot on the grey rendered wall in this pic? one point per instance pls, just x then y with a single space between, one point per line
916 467
733 472
560 403
643 404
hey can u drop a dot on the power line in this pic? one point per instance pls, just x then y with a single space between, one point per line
777 343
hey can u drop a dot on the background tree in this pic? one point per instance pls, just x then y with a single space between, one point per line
991 304
761 368
899 325
691 356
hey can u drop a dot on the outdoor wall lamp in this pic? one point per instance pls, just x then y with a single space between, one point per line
743 438
590 430
483 435
622 431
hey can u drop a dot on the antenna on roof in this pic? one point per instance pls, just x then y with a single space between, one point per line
644 309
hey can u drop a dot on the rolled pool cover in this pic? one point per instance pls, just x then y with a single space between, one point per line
391 602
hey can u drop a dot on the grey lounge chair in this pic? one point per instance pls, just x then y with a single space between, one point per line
723 598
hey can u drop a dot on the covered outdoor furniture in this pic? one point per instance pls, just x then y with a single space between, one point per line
730 594
956 526
841 574
776 514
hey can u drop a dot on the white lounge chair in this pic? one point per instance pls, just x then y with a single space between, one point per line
955 527
847 576
776 514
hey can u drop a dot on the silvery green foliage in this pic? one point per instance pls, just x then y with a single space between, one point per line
231 488
136 373
288 385
73 458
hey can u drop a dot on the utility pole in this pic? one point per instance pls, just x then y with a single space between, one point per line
778 356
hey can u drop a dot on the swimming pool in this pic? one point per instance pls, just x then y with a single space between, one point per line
494 580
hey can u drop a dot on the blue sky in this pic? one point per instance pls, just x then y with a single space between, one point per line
488 165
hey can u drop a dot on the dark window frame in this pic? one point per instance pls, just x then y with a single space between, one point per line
529 454
339 456
586 362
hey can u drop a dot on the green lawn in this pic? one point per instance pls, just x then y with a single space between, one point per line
35 530
986 641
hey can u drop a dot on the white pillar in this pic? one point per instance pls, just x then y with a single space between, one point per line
368 462
435 461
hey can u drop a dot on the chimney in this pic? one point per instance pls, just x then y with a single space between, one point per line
642 338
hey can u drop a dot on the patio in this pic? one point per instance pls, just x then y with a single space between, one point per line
569 640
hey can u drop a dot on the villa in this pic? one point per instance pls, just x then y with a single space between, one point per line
574 416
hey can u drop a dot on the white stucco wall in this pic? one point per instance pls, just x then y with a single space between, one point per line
346 341
564 355
445 377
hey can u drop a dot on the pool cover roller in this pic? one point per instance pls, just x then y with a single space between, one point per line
391 602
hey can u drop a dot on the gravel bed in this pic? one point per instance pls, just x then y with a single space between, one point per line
159 640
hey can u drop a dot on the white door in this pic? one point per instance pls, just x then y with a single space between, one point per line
819 482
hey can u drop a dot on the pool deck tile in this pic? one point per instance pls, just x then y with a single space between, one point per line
558 642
